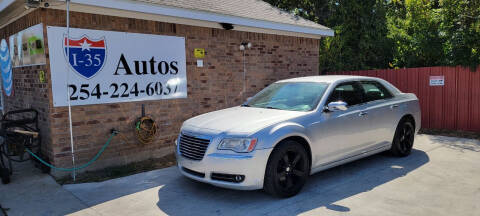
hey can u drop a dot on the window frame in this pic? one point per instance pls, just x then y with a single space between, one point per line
356 87
380 86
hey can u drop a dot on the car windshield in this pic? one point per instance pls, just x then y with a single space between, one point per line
295 96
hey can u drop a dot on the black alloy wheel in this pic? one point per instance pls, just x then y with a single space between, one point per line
403 139
287 169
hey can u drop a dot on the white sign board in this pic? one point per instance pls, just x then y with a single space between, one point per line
437 80
113 67
27 47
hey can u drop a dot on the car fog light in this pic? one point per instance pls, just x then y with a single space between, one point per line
239 178
228 177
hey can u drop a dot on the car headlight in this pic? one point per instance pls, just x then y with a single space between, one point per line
241 145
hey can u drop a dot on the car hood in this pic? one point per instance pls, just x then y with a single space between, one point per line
239 120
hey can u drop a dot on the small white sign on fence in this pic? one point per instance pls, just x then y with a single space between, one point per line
437 80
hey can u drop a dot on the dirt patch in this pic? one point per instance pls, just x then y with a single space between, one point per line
121 171
450 133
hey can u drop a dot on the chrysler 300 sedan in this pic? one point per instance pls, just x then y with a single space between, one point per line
294 128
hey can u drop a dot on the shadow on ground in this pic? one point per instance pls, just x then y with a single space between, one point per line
184 196
457 143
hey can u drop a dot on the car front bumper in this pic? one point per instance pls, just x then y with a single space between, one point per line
251 166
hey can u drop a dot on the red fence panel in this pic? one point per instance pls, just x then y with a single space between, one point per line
412 80
402 78
372 73
453 106
424 94
382 74
463 98
475 98
450 99
435 99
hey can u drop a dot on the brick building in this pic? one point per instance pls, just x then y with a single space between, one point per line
283 46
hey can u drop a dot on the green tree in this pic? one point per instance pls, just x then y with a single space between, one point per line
414 27
314 10
373 34
360 40
460 27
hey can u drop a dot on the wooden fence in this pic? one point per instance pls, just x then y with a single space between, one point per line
453 106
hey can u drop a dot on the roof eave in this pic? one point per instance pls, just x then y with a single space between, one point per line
205 16
5 3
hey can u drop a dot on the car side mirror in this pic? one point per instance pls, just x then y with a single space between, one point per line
336 105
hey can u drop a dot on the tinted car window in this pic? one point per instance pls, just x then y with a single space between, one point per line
374 91
346 92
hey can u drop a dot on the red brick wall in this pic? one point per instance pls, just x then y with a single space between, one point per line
28 91
215 86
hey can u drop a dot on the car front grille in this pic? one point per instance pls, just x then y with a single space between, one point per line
193 147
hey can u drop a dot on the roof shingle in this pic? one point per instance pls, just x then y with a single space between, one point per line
253 9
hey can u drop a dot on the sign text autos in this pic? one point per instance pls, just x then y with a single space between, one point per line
144 67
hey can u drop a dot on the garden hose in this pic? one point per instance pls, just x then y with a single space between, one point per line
113 134
145 130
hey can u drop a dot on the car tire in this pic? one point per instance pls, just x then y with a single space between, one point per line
288 168
403 139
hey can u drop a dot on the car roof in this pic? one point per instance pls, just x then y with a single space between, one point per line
334 79
328 78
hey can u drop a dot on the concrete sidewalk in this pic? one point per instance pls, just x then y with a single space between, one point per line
440 178
33 193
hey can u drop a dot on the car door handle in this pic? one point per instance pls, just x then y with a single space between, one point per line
393 106
363 113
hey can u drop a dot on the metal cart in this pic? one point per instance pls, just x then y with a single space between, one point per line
19 130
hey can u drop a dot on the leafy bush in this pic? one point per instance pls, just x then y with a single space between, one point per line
372 34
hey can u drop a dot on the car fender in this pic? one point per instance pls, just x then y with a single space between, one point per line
281 131
410 106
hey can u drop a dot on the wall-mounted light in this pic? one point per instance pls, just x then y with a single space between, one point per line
244 45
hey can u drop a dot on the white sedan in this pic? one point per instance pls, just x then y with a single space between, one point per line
294 128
